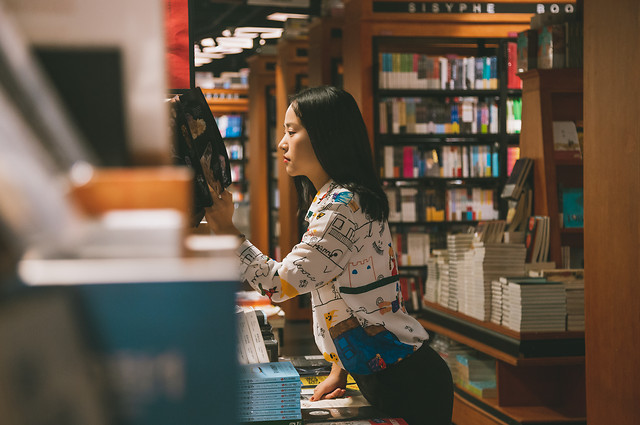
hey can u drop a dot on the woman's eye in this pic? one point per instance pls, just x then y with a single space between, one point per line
291 133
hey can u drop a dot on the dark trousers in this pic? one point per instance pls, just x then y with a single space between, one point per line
418 389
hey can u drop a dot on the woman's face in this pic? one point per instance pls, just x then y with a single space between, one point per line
298 155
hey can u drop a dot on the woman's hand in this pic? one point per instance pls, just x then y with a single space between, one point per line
220 214
333 387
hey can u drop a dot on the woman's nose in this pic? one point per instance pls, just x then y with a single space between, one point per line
282 144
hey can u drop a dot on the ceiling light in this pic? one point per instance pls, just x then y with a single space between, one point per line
274 34
245 43
207 42
223 49
282 17
201 61
215 55
226 33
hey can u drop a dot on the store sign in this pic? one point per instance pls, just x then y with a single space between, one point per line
436 8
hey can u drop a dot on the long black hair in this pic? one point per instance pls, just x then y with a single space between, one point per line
340 141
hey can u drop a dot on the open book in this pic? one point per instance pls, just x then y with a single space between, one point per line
198 144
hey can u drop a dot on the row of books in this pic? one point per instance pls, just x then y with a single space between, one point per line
230 126
411 204
455 115
470 204
411 161
514 115
421 71
413 247
235 149
536 239
412 287
237 172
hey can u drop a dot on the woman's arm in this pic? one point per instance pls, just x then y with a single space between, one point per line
316 260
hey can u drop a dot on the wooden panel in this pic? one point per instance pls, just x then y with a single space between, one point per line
465 413
542 386
612 201
135 188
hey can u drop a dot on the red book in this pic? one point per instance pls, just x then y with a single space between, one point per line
513 81
407 163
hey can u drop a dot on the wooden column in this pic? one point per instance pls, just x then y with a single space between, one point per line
611 204
262 75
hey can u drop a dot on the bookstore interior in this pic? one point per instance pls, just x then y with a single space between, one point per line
505 137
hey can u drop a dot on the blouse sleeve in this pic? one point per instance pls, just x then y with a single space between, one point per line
319 258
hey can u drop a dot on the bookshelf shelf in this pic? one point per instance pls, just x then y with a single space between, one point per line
457 181
437 139
464 401
437 93
539 375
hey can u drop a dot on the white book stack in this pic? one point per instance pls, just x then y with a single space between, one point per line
442 261
496 302
534 306
500 259
476 298
457 245
431 284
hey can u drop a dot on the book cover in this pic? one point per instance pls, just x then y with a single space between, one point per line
572 207
566 140
516 181
198 144
256 335
269 372
245 340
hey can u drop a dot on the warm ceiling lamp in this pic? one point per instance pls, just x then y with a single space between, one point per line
243 43
282 17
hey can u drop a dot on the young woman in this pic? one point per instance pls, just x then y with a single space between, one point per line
347 262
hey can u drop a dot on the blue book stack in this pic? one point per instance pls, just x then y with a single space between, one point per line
269 392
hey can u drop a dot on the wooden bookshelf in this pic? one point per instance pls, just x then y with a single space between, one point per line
227 101
547 96
291 75
540 375
262 77
325 51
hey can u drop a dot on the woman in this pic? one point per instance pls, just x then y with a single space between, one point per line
347 262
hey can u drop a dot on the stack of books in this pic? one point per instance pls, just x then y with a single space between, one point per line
431 284
575 305
486 263
500 259
442 290
269 392
533 305
457 245
573 281
476 375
